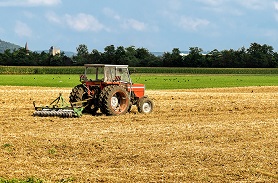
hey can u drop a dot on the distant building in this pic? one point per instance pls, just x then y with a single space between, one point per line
26 49
54 51
184 54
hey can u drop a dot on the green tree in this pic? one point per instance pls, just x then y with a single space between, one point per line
95 56
167 59
274 61
43 58
142 55
7 57
241 58
82 54
195 57
227 58
214 58
59 60
120 56
176 57
147 59
130 54
109 54
20 57
260 55
82 50
173 59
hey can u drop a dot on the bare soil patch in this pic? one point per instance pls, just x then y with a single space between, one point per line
205 135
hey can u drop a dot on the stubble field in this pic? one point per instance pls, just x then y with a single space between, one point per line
202 135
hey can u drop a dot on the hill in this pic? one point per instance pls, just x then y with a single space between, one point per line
6 45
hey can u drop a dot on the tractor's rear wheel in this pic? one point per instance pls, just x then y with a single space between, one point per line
114 100
145 105
78 94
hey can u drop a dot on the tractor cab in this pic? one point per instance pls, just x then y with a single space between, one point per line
105 73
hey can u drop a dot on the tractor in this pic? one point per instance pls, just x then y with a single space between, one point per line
109 88
103 87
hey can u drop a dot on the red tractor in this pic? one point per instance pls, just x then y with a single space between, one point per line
110 89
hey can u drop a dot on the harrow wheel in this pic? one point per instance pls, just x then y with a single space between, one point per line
53 113
114 100
145 105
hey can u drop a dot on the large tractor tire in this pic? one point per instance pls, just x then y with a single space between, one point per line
78 94
145 105
114 100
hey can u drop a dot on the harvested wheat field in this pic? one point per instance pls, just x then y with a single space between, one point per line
204 135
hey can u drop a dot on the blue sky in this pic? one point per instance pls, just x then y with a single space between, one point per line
158 25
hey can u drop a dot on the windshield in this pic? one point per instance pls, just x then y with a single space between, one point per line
116 74
94 73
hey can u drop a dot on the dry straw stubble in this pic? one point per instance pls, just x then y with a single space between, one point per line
218 135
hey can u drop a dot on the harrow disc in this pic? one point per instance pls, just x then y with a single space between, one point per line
52 113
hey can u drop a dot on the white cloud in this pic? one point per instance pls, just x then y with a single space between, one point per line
22 29
192 24
43 2
112 14
84 22
275 5
126 23
271 33
229 4
220 6
135 24
52 17
212 2
9 3
1 30
29 14
254 4
175 5
80 22
235 7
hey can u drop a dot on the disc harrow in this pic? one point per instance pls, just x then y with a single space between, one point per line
59 108
57 113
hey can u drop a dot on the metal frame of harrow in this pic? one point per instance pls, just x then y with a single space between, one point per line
59 107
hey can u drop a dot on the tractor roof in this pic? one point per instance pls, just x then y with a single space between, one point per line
105 65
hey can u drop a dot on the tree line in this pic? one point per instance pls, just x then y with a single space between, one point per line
256 56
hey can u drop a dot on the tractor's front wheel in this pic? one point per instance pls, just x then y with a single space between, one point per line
145 105
114 100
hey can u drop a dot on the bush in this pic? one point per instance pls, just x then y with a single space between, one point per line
153 70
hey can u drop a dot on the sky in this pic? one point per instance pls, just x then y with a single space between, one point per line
157 25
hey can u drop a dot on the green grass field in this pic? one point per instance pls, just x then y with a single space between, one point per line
152 81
